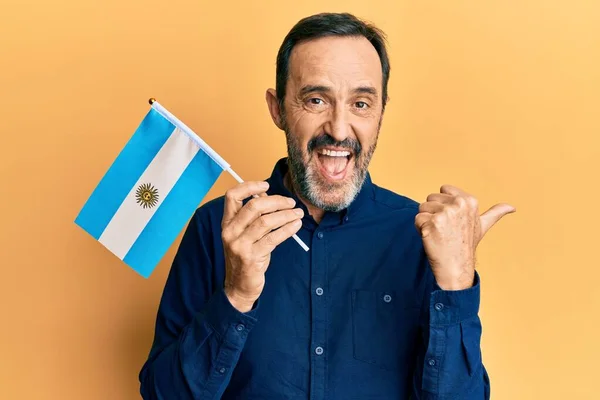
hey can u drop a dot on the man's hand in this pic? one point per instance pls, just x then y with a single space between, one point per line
250 233
451 228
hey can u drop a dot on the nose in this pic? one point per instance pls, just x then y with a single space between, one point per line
338 124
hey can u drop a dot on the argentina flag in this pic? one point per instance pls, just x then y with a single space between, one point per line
151 190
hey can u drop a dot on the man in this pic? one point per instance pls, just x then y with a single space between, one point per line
385 303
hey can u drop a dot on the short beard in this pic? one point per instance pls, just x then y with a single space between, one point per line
307 183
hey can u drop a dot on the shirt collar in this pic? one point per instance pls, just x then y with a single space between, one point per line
277 186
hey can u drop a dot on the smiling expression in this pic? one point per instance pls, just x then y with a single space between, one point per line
331 115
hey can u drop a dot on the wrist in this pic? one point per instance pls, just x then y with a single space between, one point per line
240 303
462 282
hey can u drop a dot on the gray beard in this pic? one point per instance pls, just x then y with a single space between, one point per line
308 184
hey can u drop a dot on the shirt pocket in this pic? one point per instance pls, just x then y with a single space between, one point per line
384 327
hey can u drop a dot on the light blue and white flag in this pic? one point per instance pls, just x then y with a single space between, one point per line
151 190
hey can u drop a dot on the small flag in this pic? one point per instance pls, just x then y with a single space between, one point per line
151 190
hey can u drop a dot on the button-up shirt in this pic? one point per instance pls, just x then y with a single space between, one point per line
358 316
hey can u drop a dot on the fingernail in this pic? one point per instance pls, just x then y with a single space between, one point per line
297 223
291 201
264 185
299 211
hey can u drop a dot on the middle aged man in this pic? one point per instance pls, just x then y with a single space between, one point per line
385 303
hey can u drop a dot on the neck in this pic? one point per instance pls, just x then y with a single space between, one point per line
315 212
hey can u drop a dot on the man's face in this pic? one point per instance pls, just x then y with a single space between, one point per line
331 116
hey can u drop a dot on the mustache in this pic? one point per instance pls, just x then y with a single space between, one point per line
327 140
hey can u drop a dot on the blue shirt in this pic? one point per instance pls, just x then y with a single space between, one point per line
359 316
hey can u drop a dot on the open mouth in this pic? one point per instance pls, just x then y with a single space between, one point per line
334 163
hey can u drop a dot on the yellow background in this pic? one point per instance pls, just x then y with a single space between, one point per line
500 98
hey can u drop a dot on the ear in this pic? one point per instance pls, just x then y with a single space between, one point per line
274 109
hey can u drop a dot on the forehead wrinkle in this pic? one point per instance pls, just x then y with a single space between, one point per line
320 63
318 79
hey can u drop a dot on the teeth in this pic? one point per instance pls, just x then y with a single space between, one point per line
332 153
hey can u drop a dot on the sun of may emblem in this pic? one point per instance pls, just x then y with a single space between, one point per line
146 195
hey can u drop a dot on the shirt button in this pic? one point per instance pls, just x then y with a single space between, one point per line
320 235
319 350
240 327
387 298
346 219
222 370
431 362
319 291
439 306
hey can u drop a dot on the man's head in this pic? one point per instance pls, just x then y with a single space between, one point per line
331 91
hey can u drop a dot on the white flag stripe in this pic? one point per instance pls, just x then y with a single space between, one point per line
161 174
203 145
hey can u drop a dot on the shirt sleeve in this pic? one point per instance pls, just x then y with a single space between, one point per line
450 364
198 335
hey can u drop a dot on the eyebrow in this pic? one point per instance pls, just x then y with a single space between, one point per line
314 89
326 89
366 90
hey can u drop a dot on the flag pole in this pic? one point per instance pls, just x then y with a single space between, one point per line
207 149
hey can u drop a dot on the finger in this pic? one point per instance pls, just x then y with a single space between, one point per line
441 198
263 194
493 215
431 207
269 222
268 243
255 208
421 219
453 191
235 197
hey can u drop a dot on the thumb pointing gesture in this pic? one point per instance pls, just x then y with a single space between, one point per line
493 215
451 228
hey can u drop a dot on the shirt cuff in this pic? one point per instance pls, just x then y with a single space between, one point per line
222 316
448 307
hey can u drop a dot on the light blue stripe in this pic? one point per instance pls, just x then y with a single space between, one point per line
173 213
132 161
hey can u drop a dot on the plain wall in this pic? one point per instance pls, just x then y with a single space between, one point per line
499 98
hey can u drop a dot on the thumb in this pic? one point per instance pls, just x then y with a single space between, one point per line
493 215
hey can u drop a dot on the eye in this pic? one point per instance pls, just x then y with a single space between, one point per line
361 105
316 101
